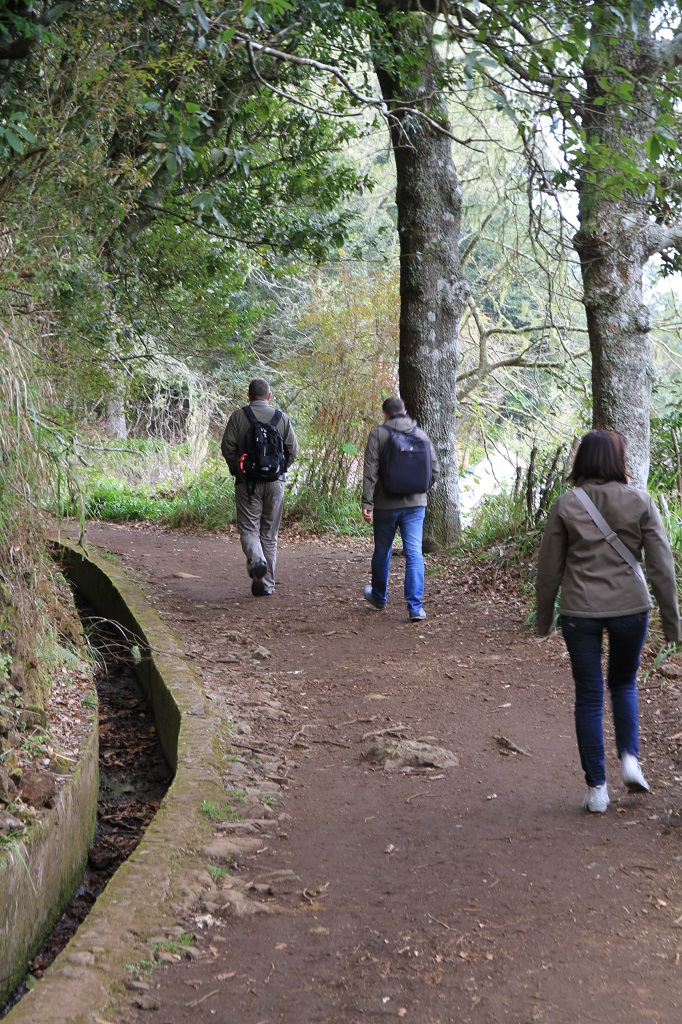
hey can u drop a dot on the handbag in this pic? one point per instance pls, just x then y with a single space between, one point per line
609 535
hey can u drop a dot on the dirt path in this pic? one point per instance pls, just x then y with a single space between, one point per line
479 893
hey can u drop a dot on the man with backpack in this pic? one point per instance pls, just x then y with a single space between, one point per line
258 446
400 467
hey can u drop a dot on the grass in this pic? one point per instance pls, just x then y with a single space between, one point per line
149 481
217 811
317 513
174 945
142 968
216 873
206 502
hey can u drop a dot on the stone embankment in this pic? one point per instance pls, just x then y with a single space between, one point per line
163 876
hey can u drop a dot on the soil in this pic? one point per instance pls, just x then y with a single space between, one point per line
479 892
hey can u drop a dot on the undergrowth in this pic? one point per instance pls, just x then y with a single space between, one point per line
150 482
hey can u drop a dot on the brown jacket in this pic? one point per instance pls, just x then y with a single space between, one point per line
595 581
373 493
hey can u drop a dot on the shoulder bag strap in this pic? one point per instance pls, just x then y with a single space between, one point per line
609 535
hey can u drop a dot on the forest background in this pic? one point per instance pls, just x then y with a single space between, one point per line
194 194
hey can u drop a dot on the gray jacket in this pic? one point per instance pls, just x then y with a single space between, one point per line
595 581
373 493
233 444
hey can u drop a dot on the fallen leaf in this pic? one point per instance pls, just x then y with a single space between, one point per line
507 705
214 950
225 975
281 945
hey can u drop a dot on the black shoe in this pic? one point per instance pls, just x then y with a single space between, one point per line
258 588
258 571
369 596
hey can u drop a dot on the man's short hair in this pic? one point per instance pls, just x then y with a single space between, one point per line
258 389
393 406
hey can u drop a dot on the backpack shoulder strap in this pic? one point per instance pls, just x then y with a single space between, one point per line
276 418
250 415
609 535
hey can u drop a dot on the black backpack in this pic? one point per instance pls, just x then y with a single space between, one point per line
264 458
405 463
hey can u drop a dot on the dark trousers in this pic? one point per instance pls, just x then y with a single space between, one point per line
583 638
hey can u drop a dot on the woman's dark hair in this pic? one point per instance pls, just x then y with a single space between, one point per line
600 456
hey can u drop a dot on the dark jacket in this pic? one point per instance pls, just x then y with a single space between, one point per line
373 493
595 581
233 444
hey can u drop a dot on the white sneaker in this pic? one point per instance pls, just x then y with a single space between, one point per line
596 799
633 780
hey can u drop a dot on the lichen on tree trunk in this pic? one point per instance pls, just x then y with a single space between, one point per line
612 241
433 290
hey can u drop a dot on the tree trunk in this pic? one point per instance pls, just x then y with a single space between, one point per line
612 239
115 418
433 291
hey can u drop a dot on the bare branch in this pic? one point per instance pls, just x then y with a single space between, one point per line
660 238
373 102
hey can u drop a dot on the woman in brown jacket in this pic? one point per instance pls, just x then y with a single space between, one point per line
602 592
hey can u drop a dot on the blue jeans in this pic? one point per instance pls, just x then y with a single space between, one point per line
583 638
410 522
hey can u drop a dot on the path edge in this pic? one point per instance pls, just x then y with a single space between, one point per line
165 873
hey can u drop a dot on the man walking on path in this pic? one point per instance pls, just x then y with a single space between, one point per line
389 511
259 488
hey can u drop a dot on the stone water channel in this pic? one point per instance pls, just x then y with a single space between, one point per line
163 878
133 779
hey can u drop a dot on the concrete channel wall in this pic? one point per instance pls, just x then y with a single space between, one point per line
41 870
166 871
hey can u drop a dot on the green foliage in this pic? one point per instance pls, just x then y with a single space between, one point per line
218 811
312 511
14 134
340 372
217 872
496 521
665 476
204 500
176 945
